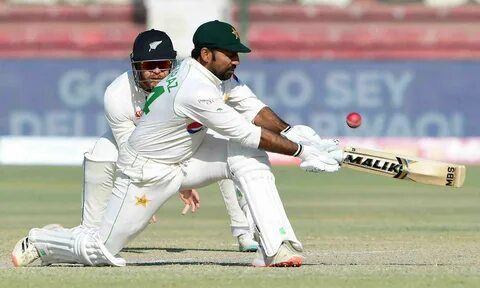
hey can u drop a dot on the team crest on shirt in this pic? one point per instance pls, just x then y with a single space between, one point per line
194 127
138 114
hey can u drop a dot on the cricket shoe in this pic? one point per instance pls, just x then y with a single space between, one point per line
24 253
246 243
286 256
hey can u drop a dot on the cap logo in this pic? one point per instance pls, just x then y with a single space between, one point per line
154 45
234 32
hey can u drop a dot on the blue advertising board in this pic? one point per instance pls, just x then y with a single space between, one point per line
47 97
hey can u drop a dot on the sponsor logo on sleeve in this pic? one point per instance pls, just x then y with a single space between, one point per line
194 127
209 101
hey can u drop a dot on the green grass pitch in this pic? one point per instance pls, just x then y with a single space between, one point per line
358 230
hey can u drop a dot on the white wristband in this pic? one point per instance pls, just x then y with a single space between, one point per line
285 130
299 150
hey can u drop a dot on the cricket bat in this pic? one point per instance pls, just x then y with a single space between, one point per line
404 167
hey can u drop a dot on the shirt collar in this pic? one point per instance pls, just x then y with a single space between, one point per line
210 76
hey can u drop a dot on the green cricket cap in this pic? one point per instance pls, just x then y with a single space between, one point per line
217 34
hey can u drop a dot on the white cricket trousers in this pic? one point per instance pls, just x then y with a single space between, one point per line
99 170
142 186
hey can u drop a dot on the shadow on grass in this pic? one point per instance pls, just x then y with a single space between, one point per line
171 250
379 264
193 262
236 264
188 262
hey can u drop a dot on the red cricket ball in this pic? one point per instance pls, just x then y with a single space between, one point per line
354 119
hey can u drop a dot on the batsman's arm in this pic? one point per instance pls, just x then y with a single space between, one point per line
267 119
241 98
300 134
226 121
273 142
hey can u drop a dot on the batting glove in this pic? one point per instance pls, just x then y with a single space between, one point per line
305 135
314 160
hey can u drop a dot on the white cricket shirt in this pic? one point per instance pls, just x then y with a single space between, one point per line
182 107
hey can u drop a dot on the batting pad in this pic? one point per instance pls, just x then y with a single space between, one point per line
242 202
267 210
238 220
251 173
77 246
